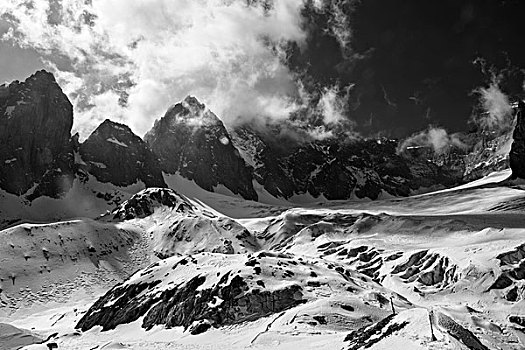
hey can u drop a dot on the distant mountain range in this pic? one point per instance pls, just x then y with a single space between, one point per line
91 228
39 156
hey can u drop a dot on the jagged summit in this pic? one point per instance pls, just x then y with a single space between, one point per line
35 129
115 131
108 123
39 76
192 141
190 112
42 75
192 101
113 153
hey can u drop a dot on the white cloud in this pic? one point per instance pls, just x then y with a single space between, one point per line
497 110
332 106
320 133
152 53
437 139
338 20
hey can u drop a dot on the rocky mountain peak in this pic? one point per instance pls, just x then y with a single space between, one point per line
113 153
35 129
333 169
38 153
193 141
116 130
193 102
189 112
39 81
40 76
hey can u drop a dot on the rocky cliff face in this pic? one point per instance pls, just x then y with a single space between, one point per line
517 152
37 153
191 140
339 170
113 153
35 124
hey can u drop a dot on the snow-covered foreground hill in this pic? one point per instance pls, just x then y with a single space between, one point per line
444 270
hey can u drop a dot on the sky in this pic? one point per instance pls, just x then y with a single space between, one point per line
16 63
329 67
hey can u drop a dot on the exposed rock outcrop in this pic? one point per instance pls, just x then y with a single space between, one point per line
459 332
336 169
218 290
115 154
511 277
145 202
35 130
367 336
225 297
193 141
37 154
176 225
517 151
429 269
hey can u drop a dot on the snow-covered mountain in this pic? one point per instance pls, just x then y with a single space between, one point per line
209 289
114 154
42 159
177 225
115 259
194 142
334 170
428 271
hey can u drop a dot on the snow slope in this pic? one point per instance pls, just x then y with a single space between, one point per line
176 225
224 290
453 260
88 198
52 262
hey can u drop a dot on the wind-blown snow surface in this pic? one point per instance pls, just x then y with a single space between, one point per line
87 198
452 259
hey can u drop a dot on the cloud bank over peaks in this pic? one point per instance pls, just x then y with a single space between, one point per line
494 115
435 138
130 60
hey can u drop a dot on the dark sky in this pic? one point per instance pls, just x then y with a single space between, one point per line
413 61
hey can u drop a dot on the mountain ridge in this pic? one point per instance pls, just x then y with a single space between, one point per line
193 142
